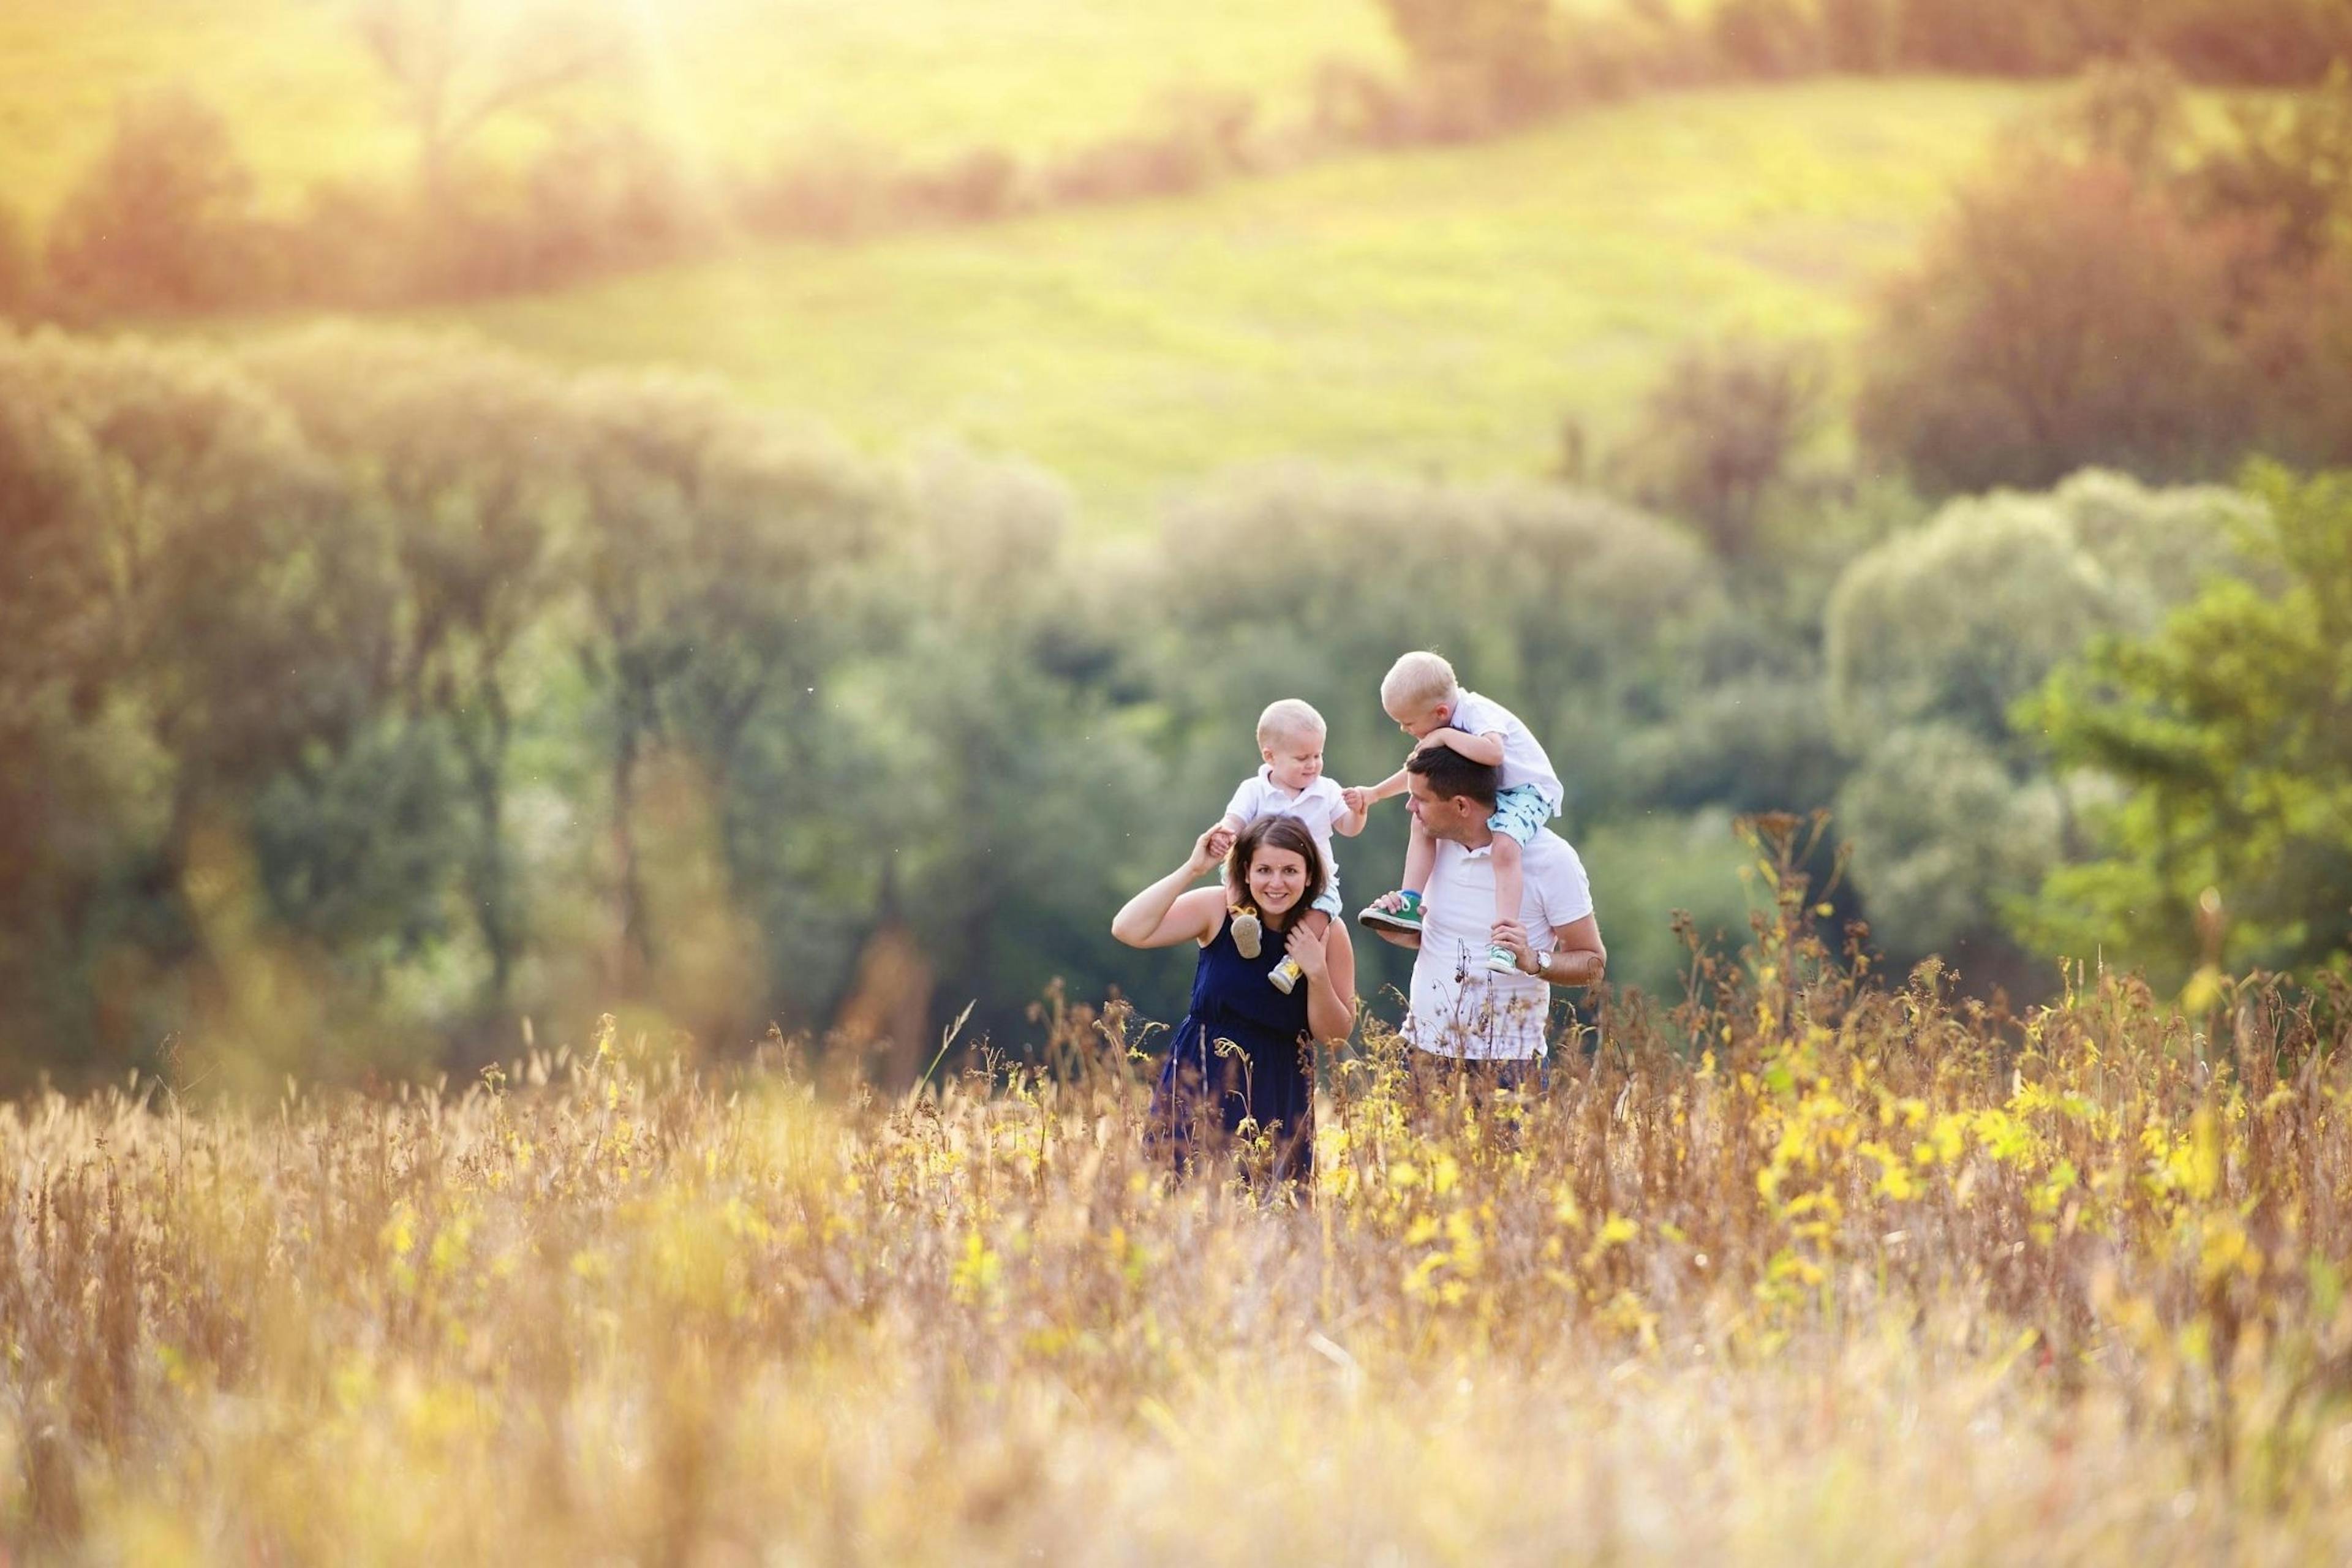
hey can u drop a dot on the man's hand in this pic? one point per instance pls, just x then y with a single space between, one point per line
1390 934
1513 935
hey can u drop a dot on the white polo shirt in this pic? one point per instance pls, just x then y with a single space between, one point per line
1525 761
1460 1007
1317 806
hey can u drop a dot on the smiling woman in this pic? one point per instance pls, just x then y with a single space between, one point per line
1241 1061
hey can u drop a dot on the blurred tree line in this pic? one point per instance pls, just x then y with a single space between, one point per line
377 698
372 694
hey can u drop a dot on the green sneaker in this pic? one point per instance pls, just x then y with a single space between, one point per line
1406 918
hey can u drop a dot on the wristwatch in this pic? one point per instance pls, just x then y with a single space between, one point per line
1543 965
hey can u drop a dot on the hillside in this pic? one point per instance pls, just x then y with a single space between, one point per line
1429 310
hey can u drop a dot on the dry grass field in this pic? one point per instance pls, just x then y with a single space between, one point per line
1818 1271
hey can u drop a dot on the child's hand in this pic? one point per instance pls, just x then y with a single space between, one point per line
1219 842
1357 799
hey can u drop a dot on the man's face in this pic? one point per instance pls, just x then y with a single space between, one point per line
1442 818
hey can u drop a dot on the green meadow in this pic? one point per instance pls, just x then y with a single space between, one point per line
1429 311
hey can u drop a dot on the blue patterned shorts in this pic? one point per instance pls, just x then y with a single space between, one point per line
1520 813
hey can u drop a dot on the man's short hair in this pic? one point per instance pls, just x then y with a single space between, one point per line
1289 719
1417 680
1450 774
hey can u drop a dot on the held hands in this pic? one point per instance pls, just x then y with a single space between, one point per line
1358 799
1211 847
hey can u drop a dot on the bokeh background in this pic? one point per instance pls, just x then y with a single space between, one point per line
760 514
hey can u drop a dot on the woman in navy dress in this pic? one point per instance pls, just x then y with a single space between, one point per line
1245 1050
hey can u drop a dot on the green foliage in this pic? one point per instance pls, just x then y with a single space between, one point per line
2231 727
1944 838
1932 639
1652 866
386 695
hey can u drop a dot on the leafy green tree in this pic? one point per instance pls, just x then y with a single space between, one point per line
217 644
1933 636
709 553
2230 729
466 456
1944 836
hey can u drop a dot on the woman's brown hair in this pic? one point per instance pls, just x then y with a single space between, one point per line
1277 830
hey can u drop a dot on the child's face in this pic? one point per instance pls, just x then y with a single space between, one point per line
1295 760
1277 878
1420 722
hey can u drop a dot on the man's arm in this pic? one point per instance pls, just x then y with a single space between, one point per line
1576 957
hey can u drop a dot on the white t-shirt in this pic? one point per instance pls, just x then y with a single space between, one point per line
1525 761
1317 805
1460 1007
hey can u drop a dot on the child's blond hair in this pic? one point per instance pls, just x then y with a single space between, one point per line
1417 680
1289 719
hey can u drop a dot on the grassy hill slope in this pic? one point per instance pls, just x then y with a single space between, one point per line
1438 310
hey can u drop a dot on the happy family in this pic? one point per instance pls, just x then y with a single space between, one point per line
1494 902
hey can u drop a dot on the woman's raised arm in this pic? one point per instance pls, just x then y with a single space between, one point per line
1164 914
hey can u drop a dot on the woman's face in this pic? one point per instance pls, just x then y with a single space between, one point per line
1277 878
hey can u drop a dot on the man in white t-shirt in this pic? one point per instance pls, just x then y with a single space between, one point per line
1462 1009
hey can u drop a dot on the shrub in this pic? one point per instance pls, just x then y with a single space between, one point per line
1719 432
610 196
828 192
17 271
972 187
2065 314
1768 39
163 219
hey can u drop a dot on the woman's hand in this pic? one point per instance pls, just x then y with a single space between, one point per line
1207 849
1305 949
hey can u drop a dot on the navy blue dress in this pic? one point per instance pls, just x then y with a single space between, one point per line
1204 1093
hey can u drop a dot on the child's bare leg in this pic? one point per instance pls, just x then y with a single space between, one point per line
1508 881
1420 859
